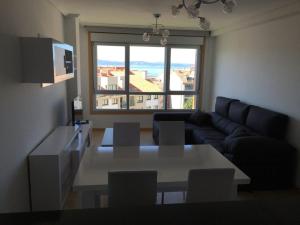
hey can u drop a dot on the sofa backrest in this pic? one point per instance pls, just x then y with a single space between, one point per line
231 114
238 112
222 105
266 122
223 124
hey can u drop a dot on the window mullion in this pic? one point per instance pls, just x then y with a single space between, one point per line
95 67
167 74
198 71
127 69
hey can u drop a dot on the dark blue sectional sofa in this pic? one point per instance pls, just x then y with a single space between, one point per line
253 138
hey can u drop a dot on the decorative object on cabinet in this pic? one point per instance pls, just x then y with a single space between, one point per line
46 61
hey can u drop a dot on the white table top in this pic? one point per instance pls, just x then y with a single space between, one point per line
172 163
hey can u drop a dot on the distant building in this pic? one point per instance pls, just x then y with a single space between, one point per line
113 78
181 80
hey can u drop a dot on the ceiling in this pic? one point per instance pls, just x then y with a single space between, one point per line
138 13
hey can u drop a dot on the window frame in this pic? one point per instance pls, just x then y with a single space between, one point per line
166 92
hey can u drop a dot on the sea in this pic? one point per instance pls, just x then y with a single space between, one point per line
153 69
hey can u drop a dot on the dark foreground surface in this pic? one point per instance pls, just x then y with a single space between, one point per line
262 212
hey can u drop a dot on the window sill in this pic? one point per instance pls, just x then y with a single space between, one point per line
142 112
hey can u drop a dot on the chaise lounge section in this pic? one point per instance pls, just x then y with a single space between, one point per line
251 137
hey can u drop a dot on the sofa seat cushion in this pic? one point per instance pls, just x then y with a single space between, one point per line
224 125
199 118
238 112
190 126
202 134
229 156
217 144
266 122
239 132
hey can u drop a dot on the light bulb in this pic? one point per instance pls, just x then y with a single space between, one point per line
228 6
146 37
193 11
165 33
204 24
163 41
175 10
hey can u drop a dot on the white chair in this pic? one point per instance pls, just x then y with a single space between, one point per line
210 185
126 134
171 133
132 188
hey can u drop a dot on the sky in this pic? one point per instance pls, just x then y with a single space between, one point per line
149 54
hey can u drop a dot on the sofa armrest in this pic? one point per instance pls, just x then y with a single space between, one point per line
260 150
171 116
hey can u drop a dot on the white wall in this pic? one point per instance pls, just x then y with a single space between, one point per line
261 66
28 112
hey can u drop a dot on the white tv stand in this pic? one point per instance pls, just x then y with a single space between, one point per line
53 165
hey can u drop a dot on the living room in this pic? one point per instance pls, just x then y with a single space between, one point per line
250 55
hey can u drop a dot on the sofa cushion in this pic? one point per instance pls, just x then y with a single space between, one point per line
190 126
199 118
266 122
171 116
222 105
223 124
201 134
238 112
217 144
239 132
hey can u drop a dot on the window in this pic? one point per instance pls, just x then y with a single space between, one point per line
146 69
111 102
187 102
112 87
105 101
110 67
139 99
182 70
115 101
136 77
138 103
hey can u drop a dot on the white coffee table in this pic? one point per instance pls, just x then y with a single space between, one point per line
171 162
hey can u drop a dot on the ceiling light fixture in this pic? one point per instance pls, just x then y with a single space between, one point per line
157 30
193 9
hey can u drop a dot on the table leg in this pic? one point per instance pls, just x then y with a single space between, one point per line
235 192
162 198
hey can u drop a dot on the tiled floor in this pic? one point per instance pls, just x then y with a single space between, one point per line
177 197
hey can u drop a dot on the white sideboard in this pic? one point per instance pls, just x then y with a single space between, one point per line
53 165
